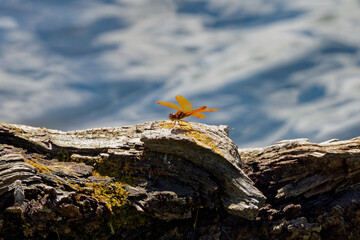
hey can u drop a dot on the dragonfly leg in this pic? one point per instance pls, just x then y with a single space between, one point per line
174 123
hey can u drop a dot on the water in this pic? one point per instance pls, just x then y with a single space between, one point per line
275 69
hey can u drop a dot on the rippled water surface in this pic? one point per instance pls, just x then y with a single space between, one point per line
275 69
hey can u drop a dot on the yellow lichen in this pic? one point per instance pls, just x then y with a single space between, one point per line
112 193
166 124
99 176
60 184
40 168
75 186
201 139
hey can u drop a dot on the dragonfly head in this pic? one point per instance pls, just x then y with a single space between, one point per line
172 116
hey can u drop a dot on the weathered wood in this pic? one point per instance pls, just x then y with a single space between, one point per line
163 173
300 169
312 189
127 182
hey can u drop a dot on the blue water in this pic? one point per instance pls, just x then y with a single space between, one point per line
275 69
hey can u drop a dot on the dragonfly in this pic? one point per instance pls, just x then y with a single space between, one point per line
185 109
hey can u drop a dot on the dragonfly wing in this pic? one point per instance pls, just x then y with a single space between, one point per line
198 115
197 112
185 105
208 110
170 105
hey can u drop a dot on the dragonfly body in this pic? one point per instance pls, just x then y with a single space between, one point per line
180 114
185 109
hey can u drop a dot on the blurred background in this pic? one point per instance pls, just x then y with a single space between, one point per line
276 69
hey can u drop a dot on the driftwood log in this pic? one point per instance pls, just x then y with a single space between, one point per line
150 181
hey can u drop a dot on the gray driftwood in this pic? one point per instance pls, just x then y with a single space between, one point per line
148 181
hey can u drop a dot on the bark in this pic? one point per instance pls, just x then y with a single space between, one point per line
149 181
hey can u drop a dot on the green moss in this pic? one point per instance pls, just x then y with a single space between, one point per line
63 156
28 229
127 217
123 214
120 169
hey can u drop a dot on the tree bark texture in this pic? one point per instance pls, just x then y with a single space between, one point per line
151 181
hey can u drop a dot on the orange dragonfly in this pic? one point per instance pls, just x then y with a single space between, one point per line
184 110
